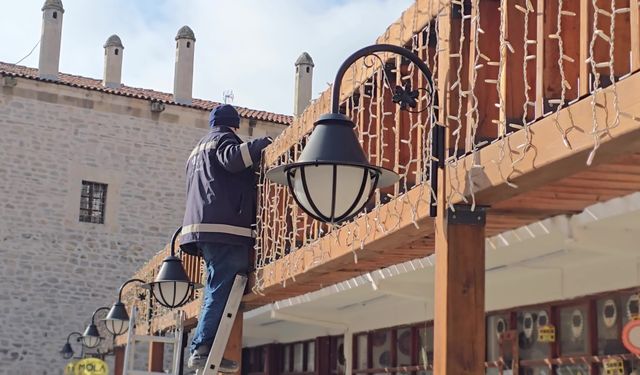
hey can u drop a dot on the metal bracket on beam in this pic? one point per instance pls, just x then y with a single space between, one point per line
463 215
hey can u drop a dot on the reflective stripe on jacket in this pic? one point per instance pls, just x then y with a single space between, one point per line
221 190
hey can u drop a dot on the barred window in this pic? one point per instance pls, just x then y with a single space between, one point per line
93 198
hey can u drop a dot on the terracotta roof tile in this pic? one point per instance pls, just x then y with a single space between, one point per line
148 94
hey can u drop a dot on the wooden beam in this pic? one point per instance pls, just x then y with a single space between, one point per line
550 160
156 356
302 267
234 345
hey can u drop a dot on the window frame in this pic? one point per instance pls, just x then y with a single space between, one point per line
91 197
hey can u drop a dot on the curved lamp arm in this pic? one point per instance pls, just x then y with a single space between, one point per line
370 50
93 317
125 284
74 333
173 241
438 137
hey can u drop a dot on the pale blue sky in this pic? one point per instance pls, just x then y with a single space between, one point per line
248 46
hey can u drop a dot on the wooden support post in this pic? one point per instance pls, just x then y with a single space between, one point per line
459 326
156 356
459 322
234 345
635 35
118 361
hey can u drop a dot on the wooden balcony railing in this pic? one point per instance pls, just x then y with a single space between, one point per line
531 91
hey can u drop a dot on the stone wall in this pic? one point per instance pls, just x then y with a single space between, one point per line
56 270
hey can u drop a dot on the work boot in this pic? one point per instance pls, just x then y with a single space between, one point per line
198 360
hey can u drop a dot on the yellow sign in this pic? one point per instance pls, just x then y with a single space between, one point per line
69 369
613 366
547 333
91 366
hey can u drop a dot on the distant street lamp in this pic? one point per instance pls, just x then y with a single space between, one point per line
67 350
91 337
172 287
117 320
332 180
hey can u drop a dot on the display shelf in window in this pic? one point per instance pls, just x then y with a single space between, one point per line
527 326
574 330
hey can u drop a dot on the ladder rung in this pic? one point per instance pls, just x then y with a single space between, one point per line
140 372
145 338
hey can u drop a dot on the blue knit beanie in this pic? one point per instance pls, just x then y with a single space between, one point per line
224 115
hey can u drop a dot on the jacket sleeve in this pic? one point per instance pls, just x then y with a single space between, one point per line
236 157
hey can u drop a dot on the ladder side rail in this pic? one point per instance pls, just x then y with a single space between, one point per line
128 350
177 346
225 326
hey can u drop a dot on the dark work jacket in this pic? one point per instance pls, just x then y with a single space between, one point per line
221 190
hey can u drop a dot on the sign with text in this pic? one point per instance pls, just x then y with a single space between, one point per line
631 336
91 366
547 333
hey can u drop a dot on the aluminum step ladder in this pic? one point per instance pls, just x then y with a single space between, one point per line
224 329
133 339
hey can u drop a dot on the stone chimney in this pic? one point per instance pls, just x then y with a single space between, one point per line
304 78
113 51
183 76
50 39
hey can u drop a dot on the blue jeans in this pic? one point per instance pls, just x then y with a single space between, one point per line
223 262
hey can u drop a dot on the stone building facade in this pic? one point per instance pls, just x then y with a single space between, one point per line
64 140
57 270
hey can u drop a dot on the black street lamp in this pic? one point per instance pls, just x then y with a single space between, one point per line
333 180
91 337
67 350
117 320
172 287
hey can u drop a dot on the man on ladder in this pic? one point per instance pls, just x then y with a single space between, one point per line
219 219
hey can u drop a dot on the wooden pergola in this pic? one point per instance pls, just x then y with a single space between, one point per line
542 156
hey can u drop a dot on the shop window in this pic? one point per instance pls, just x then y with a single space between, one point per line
381 349
298 357
362 342
496 325
528 323
425 342
286 358
610 311
574 331
537 370
337 355
403 346
631 306
311 356
581 369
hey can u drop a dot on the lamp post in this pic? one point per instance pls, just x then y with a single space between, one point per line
172 287
67 350
332 179
91 337
117 320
